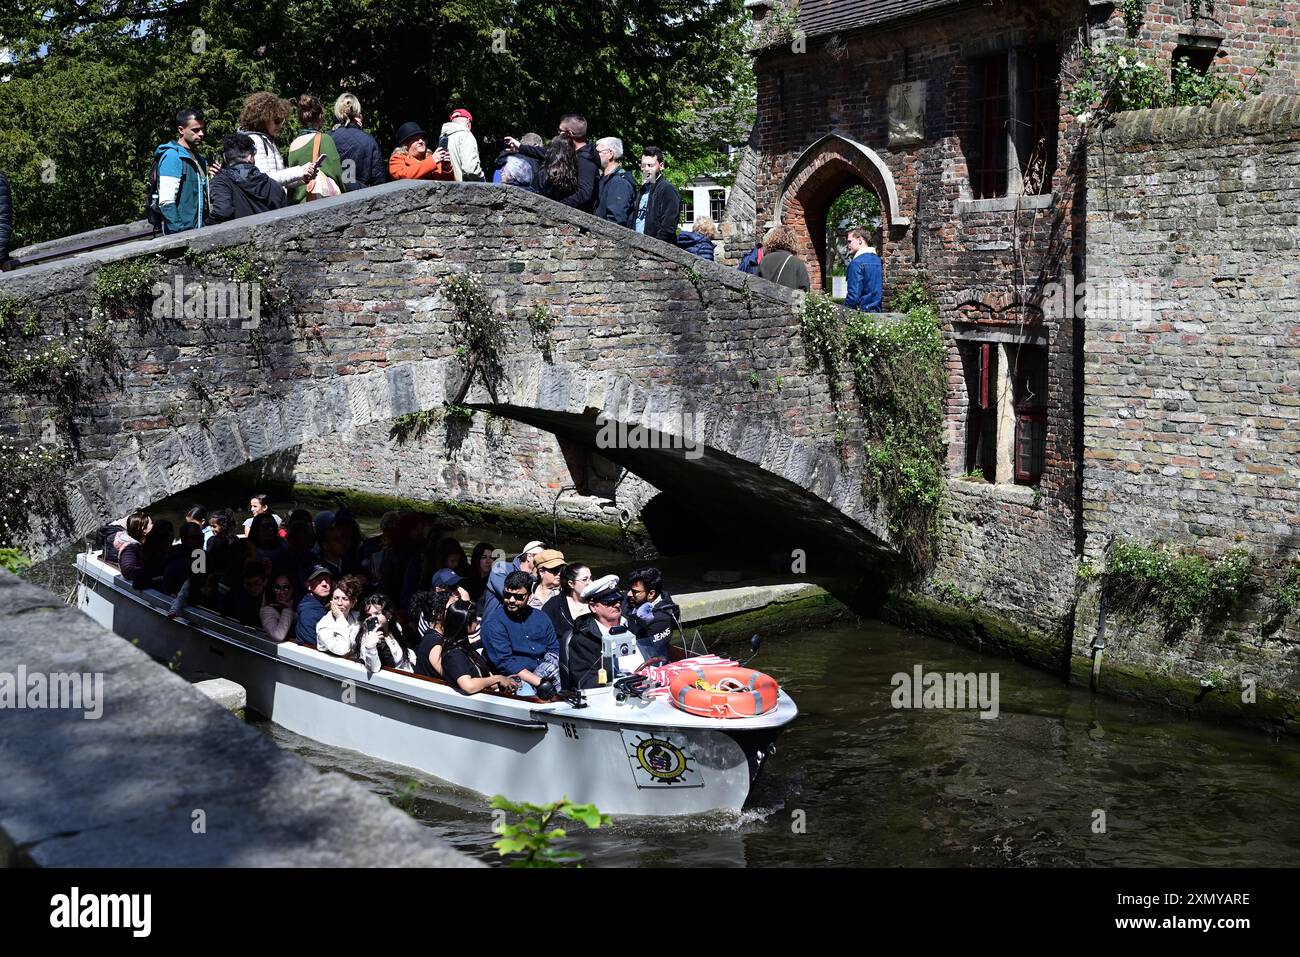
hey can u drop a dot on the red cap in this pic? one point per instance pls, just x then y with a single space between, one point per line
461 112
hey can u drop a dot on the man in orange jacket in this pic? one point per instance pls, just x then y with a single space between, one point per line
413 160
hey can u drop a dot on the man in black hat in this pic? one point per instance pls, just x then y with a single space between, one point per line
314 604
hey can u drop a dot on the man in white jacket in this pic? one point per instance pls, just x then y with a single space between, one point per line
460 143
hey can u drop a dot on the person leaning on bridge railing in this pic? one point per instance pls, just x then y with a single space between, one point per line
659 203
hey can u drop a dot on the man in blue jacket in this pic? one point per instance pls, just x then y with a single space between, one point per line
618 189
520 640
865 274
183 175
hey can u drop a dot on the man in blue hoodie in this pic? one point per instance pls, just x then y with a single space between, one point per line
183 175
865 274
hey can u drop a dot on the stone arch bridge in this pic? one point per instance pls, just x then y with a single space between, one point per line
696 368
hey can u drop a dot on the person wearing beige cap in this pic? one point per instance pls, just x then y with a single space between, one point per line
548 564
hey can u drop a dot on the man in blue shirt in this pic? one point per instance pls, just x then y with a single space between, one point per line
520 640
865 274
314 604
183 175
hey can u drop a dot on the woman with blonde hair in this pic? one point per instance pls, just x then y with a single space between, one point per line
262 118
356 145
781 262
314 145
699 241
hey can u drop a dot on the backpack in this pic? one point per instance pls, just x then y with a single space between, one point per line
153 208
105 536
749 262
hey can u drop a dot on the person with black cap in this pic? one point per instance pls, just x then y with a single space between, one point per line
314 604
599 646
414 160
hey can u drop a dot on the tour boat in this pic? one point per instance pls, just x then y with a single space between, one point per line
625 754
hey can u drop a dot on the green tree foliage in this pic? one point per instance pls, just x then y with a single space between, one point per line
88 88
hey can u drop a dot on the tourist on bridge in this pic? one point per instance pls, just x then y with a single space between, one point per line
651 613
312 607
518 172
865 274
6 218
458 139
359 154
528 139
699 240
573 127
240 188
659 205
519 640
617 190
313 145
183 175
412 158
781 262
559 175
262 118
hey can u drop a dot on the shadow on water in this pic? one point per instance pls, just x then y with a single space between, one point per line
858 782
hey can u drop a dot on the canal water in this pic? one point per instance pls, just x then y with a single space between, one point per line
1057 778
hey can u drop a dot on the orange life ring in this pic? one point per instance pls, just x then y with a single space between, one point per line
744 692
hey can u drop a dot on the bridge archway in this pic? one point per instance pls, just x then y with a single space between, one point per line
821 173
716 457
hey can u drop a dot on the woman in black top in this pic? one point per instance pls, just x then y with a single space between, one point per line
567 607
462 666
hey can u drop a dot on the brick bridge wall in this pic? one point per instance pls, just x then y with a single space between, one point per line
643 331
1193 413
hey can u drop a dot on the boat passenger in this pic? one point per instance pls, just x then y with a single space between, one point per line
383 642
428 607
330 548
277 608
128 544
582 648
260 504
244 604
298 552
651 613
198 515
313 605
567 607
480 568
496 581
223 552
520 640
264 543
181 564
548 564
153 555
338 631
462 664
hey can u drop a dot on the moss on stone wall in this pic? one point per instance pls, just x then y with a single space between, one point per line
799 614
977 628
632 539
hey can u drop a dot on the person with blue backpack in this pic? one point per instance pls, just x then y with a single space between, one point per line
179 182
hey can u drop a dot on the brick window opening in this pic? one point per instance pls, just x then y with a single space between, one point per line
991 111
1014 120
1199 56
1006 421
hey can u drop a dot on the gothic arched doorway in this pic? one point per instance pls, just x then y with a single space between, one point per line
821 174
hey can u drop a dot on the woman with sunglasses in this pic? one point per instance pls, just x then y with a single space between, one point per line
462 664
278 608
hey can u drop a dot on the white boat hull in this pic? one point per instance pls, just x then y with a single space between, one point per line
643 758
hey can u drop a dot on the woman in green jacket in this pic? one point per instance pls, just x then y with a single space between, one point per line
303 149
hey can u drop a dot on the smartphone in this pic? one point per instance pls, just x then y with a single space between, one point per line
442 141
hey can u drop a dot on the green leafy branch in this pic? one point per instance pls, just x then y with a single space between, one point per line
533 837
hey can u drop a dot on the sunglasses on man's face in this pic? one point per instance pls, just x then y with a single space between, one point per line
515 596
